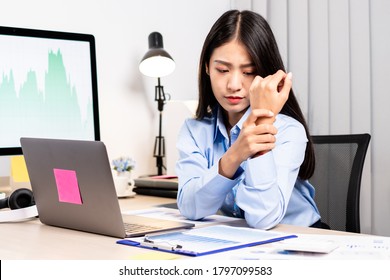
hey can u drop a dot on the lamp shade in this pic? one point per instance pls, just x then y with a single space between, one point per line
156 62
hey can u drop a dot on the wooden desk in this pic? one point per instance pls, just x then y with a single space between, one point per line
34 240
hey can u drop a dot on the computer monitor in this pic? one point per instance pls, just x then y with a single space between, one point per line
48 87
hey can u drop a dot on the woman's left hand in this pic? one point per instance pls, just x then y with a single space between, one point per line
271 92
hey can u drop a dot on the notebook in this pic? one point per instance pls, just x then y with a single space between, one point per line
73 188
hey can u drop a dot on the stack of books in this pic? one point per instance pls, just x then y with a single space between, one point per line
163 186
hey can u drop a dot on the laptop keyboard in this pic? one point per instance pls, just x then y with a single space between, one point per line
135 228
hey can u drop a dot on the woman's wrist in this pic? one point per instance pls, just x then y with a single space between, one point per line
228 165
265 120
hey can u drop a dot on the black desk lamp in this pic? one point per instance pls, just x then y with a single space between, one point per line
157 63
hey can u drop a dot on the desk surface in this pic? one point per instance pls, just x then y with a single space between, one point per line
34 240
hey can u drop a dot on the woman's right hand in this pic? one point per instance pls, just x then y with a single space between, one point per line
252 140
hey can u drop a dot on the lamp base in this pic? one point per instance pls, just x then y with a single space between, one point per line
159 153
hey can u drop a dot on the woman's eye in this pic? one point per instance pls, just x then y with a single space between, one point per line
222 70
248 73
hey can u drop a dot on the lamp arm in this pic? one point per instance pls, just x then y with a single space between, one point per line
159 95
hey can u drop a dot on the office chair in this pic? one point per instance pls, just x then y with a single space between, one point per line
337 178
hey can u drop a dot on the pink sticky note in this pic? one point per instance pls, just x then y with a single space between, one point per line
67 186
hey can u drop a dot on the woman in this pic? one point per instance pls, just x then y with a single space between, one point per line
248 153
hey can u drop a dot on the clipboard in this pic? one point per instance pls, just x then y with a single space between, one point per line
206 240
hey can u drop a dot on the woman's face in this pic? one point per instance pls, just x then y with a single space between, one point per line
231 71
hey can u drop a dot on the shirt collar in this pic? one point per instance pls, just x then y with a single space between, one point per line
220 126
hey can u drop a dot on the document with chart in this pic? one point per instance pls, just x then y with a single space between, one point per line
206 240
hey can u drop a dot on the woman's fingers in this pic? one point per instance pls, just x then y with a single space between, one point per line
285 86
276 80
270 92
265 129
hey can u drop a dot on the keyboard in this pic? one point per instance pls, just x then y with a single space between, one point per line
137 228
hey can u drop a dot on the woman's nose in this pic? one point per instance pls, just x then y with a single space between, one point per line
234 82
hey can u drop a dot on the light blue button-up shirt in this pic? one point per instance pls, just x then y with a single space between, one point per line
265 190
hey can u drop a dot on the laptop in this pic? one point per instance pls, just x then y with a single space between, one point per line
73 188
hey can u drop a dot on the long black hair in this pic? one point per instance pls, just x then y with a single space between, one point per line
253 31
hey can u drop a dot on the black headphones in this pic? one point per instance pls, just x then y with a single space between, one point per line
22 202
20 198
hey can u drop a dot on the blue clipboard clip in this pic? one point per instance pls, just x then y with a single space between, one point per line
160 245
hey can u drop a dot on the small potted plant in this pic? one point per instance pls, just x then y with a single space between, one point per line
122 176
123 165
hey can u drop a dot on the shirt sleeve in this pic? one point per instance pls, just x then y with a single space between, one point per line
202 190
269 179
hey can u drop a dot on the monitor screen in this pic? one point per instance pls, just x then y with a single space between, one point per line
48 87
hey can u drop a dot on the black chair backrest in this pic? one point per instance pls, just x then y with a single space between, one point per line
337 178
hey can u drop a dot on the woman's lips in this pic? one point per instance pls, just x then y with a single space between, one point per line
234 99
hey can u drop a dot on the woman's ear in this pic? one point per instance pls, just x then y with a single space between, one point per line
207 70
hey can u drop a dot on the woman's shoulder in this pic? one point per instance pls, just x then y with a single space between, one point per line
288 125
194 126
194 123
284 120
196 132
